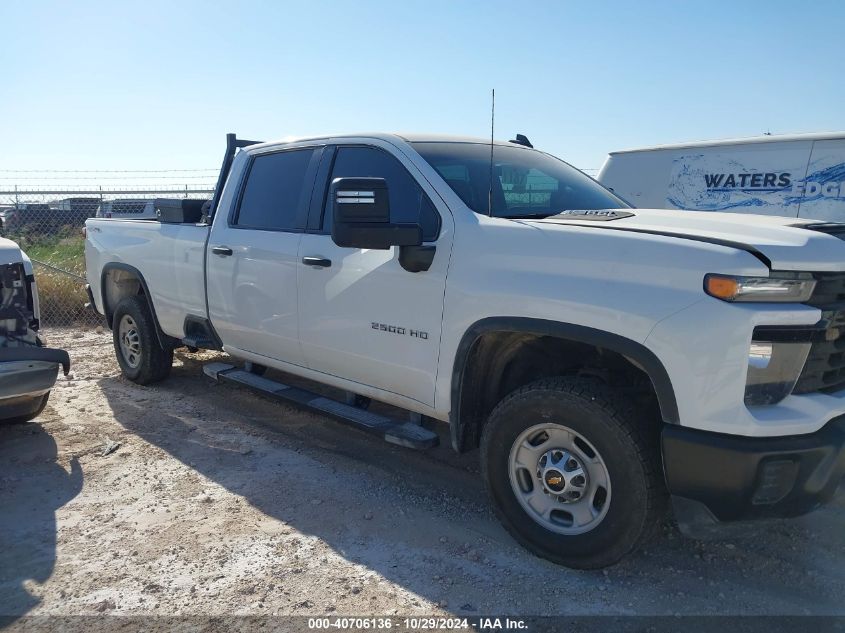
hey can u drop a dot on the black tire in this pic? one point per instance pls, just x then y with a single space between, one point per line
153 362
23 419
627 445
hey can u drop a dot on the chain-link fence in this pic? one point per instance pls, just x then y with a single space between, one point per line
48 224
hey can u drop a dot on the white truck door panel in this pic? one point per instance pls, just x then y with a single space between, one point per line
252 257
252 292
822 192
365 318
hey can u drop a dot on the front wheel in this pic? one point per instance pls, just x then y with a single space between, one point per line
141 357
572 472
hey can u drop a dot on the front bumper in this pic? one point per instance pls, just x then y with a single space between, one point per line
26 374
29 371
716 478
36 354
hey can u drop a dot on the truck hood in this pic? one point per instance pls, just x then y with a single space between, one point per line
10 253
782 243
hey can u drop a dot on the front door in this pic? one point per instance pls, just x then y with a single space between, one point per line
362 316
252 256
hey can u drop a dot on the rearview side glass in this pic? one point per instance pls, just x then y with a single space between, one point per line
273 196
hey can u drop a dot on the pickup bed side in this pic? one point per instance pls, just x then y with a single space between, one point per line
169 258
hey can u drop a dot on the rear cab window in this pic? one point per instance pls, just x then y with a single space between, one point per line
276 191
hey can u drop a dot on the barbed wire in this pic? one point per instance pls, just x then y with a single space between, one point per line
115 178
103 171
14 195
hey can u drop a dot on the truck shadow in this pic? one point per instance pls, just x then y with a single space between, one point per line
422 520
32 487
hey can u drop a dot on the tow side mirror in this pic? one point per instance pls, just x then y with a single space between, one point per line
361 216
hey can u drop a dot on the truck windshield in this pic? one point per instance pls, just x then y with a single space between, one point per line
526 183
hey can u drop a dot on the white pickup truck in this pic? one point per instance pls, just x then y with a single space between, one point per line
605 359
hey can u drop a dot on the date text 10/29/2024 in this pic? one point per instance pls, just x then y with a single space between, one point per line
418 624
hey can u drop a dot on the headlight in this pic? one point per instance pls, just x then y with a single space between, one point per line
773 370
779 287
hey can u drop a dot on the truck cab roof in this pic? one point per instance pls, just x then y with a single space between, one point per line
390 137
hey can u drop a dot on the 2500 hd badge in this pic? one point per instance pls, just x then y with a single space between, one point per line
396 329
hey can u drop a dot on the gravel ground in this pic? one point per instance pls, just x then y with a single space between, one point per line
216 501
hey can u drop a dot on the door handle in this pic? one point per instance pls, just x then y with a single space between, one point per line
224 251
319 262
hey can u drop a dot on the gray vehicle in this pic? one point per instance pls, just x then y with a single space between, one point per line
28 370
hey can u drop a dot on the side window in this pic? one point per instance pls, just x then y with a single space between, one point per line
273 194
408 202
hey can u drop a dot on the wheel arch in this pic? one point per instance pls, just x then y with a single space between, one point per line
466 421
119 280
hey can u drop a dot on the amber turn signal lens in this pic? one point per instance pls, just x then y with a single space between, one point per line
721 287
779 287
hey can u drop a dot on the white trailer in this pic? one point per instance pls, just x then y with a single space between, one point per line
801 175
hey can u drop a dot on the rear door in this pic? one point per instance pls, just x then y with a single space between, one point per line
252 256
822 193
363 317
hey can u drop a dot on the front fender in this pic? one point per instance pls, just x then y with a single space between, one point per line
636 352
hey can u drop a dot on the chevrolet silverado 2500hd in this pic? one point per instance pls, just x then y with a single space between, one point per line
604 358
28 370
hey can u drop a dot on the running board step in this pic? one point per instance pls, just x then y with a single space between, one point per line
391 430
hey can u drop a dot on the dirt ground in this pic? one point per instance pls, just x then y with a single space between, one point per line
220 502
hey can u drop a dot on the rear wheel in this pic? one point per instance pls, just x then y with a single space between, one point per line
141 357
572 472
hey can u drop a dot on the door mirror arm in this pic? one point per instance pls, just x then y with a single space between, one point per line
418 258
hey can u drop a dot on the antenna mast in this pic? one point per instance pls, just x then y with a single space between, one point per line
492 122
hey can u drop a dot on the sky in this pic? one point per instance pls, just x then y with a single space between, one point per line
150 85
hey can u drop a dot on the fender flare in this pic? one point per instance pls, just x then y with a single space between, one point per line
629 348
163 339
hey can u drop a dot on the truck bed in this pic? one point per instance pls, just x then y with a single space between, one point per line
169 255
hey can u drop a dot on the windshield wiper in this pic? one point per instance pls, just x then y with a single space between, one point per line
529 216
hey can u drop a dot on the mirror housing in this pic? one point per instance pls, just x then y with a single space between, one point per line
361 216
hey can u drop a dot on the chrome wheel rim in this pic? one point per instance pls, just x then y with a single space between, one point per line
559 479
130 341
